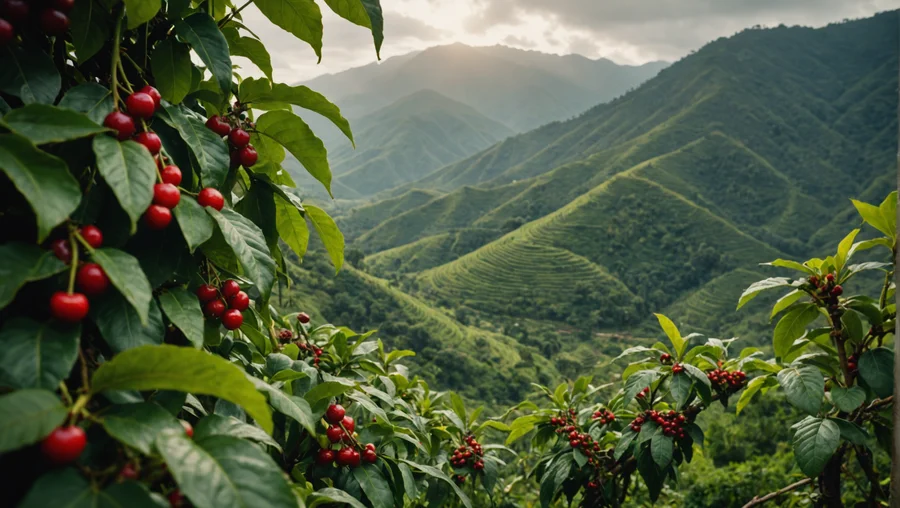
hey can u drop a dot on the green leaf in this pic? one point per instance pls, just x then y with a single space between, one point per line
124 271
249 48
374 484
815 441
873 216
195 224
329 233
302 18
661 448
792 326
90 26
42 123
843 249
67 488
202 33
218 471
851 431
637 382
757 287
888 209
185 370
215 425
294 407
138 425
327 390
752 389
786 263
678 344
249 245
121 327
28 73
330 495
27 416
804 387
876 367
21 263
172 69
291 226
37 354
292 132
44 180
208 148
302 96
365 13
89 98
786 301
625 441
680 386
653 477
439 475
183 310
130 172
852 325
140 11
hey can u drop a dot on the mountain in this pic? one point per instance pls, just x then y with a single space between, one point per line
409 139
664 199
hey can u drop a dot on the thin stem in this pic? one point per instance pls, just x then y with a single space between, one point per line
74 266
82 401
772 495
234 13
114 65
85 377
137 67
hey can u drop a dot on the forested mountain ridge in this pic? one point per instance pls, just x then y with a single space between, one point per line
745 151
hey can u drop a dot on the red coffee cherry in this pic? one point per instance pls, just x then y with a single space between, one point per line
140 105
149 90
62 249
91 279
370 456
207 293
214 308
70 308
166 194
64 5
188 428
303 317
248 156
121 123
171 174
158 217
239 137
92 235
324 457
348 457
212 198
232 319
15 11
54 22
239 301
64 445
150 141
334 433
176 499
7 32
349 424
335 413
218 125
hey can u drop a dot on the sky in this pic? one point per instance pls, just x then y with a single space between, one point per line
625 31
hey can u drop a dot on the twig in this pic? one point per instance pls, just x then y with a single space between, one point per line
772 495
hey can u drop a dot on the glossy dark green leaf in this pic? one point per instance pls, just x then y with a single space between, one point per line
208 148
804 387
121 326
27 416
44 180
330 495
653 477
876 367
138 425
637 382
217 471
130 172
29 74
851 431
328 231
757 287
124 271
661 449
89 98
37 354
139 12
302 18
42 123
815 441
327 390
21 263
680 386
201 32
294 407
374 485
249 246
90 28
249 48
258 205
554 476
292 132
215 425
172 69
291 226
624 442
195 224
847 399
366 13
792 326
299 95
182 369
183 310
439 475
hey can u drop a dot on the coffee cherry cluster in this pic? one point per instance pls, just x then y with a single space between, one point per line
49 16
90 278
724 379
340 431
312 350
643 393
672 422
234 126
677 368
852 363
226 302
468 454
604 416
826 289
665 358
285 335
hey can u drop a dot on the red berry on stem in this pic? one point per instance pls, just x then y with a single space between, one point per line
69 308
171 174
303 317
7 32
212 198
370 456
232 319
121 123
335 413
207 293
152 92
92 235
214 308
370 446
62 249
348 424
218 125
166 194
140 105
239 137
348 457
64 445
188 428
240 301
176 499
230 288
334 433
54 22
158 217
248 156
15 11
150 141
64 5
91 279
325 456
